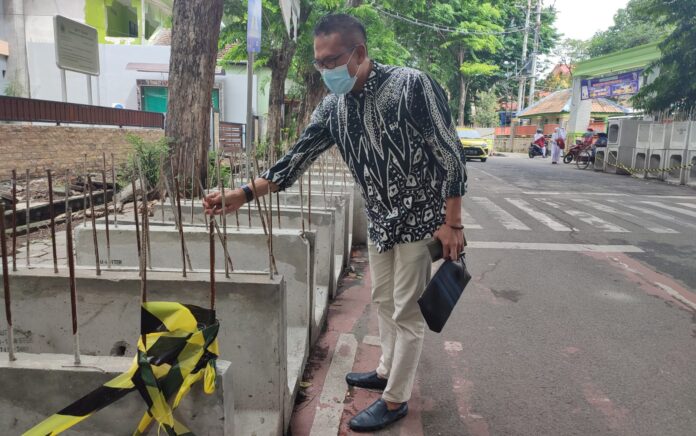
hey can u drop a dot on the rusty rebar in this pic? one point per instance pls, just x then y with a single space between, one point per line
309 199
302 203
143 257
135 215
146 217
27 192
233 186
113 196
221 186
106 216
73 287
6 286
94 224
180 226
212 261
14 220
84 192
52 216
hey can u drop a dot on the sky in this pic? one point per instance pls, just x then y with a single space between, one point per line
580 19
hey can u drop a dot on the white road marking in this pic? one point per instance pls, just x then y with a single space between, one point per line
594 221
603 194
642 222
508 221
672 208
657 214
676 295
330 408
468 221
543 246
539 216
693 206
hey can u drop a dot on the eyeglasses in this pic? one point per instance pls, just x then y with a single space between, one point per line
329 63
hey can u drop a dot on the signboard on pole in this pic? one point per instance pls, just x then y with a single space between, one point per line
254 26
77 46
619 85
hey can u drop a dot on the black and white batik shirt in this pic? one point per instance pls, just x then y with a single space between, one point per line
399 142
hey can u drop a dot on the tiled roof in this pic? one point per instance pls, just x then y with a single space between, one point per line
559 102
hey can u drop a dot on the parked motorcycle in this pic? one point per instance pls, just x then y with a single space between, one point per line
572 154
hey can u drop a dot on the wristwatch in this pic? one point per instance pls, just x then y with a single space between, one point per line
248 193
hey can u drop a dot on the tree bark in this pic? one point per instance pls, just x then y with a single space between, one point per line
195 32
462 91
314 93
279 62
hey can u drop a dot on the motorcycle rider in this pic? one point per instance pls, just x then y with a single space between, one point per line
540 142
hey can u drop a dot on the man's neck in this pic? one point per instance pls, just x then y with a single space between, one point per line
363 75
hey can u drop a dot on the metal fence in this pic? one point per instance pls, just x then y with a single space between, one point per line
45 111
231 137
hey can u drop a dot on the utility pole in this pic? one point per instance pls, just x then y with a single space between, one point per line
537 31
520 92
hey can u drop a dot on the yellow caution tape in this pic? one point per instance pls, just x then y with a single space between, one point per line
648 170
181 349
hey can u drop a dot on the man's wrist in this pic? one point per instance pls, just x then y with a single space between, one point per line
248 193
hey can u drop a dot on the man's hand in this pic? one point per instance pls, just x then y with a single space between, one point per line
234 200
452 241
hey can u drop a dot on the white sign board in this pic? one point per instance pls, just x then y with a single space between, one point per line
77 46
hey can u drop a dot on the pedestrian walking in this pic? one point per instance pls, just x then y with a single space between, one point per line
393 128
558 140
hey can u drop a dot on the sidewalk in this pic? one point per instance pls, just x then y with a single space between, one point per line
327 404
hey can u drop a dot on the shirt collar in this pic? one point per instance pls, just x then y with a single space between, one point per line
374 77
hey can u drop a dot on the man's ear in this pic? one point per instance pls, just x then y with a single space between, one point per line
362 53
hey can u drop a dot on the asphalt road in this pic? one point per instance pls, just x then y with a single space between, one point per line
563 342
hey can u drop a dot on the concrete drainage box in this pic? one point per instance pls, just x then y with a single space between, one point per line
251 309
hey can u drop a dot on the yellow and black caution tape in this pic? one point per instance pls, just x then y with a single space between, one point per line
181 349
648 170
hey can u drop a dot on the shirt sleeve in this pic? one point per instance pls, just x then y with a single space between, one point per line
430 112
315 139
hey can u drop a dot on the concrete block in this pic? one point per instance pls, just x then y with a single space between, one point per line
36 386
251 309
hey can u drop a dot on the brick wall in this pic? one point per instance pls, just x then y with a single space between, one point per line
59 148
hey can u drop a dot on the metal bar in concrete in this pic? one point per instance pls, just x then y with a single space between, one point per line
221 186
232 186
143 265
302 204
106 216
135 215
212 262
27 192
309 198
52 213
193 184
6 285
67 190
113 197
94 225
226 253
14 220
73 288
84 191
180 226
146 215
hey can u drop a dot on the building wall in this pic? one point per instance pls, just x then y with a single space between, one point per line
60 148
116 84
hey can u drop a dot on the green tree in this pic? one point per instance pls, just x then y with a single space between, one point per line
486 109
674 89
277 50
632 27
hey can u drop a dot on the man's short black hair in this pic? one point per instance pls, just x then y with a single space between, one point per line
350 28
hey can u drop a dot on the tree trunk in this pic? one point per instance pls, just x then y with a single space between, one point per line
314 93
280 62
195 32
462 91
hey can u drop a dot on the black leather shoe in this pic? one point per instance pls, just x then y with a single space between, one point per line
366 380
377 417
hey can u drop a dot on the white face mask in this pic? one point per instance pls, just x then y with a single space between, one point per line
339 80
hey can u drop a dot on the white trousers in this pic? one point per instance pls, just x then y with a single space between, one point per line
555 153
399 278
543 151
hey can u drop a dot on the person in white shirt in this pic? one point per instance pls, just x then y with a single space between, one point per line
557 140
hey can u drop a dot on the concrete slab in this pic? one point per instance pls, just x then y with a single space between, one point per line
36 386
251 309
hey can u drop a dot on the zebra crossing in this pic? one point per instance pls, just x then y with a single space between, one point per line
609 215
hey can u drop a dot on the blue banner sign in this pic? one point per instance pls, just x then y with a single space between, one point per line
619 85
254 26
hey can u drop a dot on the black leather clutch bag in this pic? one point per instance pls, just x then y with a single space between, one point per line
443 290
